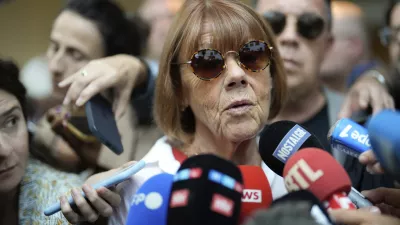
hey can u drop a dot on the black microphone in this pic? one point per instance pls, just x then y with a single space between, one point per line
300 208
316 209
280 140
206 190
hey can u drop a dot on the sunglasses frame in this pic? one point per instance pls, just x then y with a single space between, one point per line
265 16
223 58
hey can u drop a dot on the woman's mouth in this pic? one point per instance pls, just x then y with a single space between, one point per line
239 107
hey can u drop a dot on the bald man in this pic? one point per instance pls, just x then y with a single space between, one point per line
349 56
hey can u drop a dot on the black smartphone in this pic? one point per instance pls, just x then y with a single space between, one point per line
102 124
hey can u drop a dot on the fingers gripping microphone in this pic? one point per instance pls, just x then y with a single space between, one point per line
280 140
349 137
384 130
317 171
257 192
206 190
149 204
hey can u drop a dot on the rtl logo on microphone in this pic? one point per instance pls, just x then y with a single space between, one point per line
252 195
301 176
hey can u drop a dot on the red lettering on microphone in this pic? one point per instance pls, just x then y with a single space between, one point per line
252 195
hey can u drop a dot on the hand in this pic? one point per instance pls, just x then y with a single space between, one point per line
101 200
386 199
122 72
373 166
88 151
361 217
53 148
366 91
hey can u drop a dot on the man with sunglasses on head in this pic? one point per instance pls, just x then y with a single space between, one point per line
303 32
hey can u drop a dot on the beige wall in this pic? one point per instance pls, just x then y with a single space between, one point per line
25 26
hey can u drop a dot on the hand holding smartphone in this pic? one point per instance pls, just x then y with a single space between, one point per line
121 176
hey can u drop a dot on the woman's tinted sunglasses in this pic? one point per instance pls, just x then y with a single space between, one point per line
208 64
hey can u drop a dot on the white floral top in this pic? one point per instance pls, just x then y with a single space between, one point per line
40 187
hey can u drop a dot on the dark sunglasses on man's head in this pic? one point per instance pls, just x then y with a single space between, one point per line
309 25
208 64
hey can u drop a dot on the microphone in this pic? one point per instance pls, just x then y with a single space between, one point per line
349 137
317 171
300 208
149 204
384 130
206 190
315 209
280 140
257 192
277 135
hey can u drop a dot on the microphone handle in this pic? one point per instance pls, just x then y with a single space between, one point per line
358 199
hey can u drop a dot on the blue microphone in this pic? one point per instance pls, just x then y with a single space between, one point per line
150 203
349 137
384 130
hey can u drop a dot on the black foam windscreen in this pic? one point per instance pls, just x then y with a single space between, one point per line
282 139
206 190
315 207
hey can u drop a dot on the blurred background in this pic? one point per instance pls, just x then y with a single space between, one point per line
25 27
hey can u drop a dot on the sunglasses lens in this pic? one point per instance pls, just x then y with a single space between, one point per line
207 64
255 55
277 21
310 26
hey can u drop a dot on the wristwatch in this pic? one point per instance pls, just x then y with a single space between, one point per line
378 76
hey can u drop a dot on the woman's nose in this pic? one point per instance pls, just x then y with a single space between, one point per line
235 74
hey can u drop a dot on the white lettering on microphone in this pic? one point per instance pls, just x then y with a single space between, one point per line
294 180
287 148
355 135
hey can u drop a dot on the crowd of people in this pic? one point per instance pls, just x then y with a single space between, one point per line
187 78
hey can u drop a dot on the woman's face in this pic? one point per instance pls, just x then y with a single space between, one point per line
235 105
74 41
13 142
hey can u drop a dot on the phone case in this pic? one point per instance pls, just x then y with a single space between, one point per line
102 123
116 179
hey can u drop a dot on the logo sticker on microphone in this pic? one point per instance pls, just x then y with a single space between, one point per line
152 200
179 198
186 174
291 143
225 180
252 195
222 205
